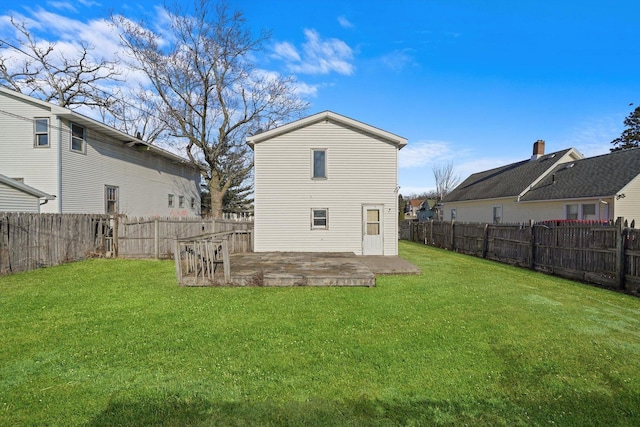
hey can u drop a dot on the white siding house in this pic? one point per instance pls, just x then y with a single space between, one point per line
326 183
557 186
90 167
15 196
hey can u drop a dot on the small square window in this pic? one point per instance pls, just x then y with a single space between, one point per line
77 138
319 219
181 201
41 132
170 201
319 161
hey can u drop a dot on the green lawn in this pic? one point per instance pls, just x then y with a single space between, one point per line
117 342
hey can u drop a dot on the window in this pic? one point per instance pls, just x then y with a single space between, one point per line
373 222
110 199
319 219
319 161
170 201
589 211
454 214
572 211
193 203
181 201
77 138
41 128
497 214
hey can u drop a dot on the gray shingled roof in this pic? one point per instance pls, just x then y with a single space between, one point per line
598 176
505 181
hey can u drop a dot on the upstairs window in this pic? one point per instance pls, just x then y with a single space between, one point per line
319 164
77 138
41 131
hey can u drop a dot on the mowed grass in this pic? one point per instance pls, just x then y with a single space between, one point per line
117 342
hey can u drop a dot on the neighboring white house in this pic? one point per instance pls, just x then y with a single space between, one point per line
90 167
326 183
556 186
16 196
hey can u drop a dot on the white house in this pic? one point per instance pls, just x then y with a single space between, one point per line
326 183
557 186
90 167
16 196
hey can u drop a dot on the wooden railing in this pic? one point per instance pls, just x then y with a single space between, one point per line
203 260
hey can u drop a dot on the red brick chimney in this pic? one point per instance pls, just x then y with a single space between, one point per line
538 149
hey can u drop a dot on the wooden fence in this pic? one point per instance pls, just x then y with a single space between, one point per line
604 254
154 237
29 241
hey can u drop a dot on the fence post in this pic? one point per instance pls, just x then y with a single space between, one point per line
225 261
485 240
156 239
620 237
176 259
453 235
532 244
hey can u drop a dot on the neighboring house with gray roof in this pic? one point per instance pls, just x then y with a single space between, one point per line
560 185
90 167
16 196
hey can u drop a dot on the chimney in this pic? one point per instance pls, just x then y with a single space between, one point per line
538 149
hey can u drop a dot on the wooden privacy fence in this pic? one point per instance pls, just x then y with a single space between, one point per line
154 237
600 253
29 241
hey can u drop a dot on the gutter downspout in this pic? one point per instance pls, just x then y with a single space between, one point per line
59 165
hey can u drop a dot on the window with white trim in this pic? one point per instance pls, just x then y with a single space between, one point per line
41 132
193 203
78 143
319 219
170 200
319 163
110 199
181 201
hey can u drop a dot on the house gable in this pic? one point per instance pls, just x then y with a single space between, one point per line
295 211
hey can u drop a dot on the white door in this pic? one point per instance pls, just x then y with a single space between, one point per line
372 230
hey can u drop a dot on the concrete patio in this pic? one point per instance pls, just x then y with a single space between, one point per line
313 269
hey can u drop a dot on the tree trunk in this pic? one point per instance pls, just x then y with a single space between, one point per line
216 200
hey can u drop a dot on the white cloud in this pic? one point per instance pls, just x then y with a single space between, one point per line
317 56
593 137
62 5
425 154
344 22
397 60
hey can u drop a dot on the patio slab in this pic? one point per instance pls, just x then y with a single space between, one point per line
313 268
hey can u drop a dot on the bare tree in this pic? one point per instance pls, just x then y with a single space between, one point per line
45 72
446 179
210 95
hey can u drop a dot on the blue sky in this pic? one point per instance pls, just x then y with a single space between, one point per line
469 82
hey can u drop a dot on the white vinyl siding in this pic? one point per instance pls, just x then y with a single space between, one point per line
143 179
14 200
18 158
284 196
